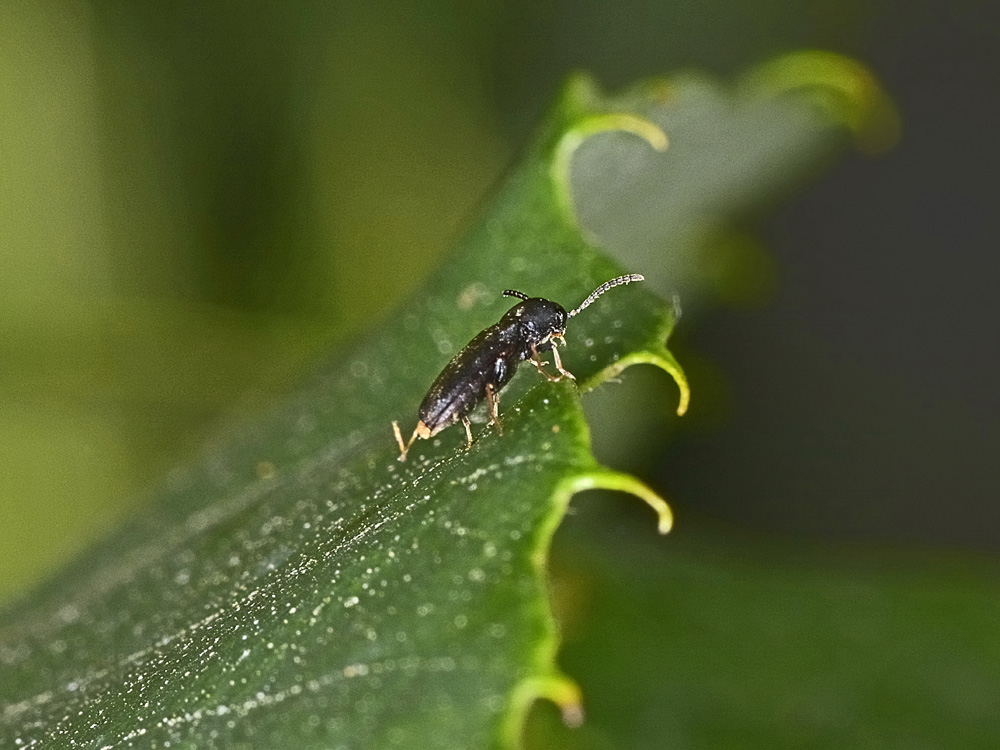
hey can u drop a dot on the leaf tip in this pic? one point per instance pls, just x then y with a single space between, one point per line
555 687
661 358
845 89
584 127
606 479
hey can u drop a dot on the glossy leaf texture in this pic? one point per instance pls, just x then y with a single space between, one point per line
297 586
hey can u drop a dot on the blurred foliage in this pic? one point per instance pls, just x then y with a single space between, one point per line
741 641
297 585
142 645
189 216
196 201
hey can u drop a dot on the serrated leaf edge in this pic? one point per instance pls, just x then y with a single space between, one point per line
581 129
843 88
661 358
548 681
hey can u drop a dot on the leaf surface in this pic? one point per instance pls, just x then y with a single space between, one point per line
298 586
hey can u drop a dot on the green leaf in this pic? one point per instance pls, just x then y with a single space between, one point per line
733 148
297 586
736 641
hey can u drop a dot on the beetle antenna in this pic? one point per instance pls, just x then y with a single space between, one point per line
626 279
514 293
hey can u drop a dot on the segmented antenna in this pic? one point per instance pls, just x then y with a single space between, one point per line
626 279
514 293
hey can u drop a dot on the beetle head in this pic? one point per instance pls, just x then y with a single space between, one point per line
539 320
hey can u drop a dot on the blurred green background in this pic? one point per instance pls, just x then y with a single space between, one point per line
197 200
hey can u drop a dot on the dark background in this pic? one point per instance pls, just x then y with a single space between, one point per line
864 395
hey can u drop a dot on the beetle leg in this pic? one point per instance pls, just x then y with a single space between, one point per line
536 360
494 400
403 449
555 357
468 432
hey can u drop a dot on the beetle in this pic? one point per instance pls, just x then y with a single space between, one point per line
489 361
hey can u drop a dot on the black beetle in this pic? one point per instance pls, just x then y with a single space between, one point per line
489 361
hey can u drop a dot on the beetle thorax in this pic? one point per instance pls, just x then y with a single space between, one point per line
538 320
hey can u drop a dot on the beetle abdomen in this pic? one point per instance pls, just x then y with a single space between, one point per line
462 383
450 398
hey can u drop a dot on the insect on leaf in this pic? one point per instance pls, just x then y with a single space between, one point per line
298 586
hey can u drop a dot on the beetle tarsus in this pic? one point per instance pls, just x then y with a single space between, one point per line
468 432
540 366
403 447
558 362
536 360
493 398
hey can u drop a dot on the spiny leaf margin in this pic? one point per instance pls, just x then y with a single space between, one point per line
151 638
